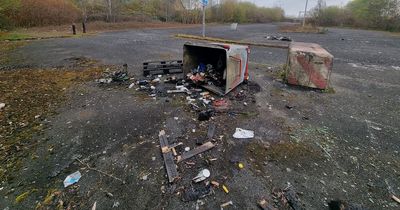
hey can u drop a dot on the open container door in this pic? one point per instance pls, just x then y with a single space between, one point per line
228 60
236 66
233 73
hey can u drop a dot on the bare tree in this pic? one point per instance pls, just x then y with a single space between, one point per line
109 7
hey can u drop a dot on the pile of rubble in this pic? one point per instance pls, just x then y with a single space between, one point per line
206 104
198 98
207 74
119 75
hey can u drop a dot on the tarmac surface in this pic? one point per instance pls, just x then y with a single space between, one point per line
341 145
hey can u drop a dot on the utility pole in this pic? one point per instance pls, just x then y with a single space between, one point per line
305 14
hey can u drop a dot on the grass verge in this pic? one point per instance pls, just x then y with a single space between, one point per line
65 31
30 96
6 48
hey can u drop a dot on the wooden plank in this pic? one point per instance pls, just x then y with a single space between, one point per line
214 89
195 151
162 71
162 67
168 156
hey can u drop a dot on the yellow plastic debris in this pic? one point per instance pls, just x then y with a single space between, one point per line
241 166
225 189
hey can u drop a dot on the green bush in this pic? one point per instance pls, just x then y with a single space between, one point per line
374 14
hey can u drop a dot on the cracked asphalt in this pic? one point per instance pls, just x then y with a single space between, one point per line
341 145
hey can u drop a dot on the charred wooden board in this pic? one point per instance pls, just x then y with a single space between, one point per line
168 156
196 151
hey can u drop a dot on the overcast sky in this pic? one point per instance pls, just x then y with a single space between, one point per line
292 7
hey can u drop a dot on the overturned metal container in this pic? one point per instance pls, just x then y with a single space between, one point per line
232 59
309 65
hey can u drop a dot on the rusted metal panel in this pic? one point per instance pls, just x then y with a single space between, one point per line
309 65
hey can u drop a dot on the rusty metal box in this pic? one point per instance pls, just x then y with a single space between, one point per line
309 65
229 58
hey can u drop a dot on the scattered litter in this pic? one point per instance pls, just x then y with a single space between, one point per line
131 85
289 107
226 204
225 189
292 198
396 199
2 105
240 165
243 134
72 179
145 177
162 188
205 115
221 105
288 196
116 204
142 82
202 175
153 158
215 183
94 205
104 81
187 149
279 38
156 80
339 204
264 205
193 194
114 76
199 203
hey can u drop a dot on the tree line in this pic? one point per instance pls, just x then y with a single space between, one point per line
373 14
29 13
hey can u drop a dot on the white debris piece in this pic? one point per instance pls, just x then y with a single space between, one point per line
243 134
203 175
2 105
72 179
